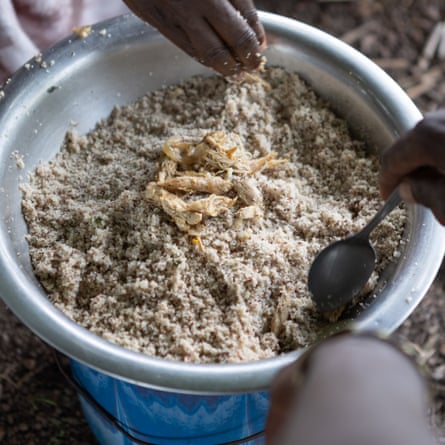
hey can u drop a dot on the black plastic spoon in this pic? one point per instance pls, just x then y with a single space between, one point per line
341 269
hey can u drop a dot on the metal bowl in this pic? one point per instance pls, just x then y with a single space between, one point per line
82 79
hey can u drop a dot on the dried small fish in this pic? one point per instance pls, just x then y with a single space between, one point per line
173 205
280 315
183 152
211 206
223 151
247 191
210 165
268 161
203 184
167 169
250 212
184 219
176 148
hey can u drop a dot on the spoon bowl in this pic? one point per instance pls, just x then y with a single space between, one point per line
341 269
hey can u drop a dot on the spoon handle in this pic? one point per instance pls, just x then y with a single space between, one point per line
391 203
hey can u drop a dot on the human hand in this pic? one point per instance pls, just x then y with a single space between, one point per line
225 35
349 389
416 161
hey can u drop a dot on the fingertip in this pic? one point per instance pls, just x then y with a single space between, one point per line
263 44
260 34
406 192
241 31
249 13
247 50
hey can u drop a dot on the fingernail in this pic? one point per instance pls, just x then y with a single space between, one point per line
405 192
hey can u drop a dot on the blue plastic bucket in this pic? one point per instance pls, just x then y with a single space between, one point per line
122 413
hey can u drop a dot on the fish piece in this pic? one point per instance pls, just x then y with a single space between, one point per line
211 165
250 212
280 315
268 161
211 206
173 205
222 151
167 169
247 191
183 152
204 184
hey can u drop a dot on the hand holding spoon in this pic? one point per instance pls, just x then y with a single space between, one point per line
340 270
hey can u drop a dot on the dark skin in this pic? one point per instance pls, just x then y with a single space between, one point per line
416 162
225 35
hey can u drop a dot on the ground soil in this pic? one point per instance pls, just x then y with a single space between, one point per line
38 407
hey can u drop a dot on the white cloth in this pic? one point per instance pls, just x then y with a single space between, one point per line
30 26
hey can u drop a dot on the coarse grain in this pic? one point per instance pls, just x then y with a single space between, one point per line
117 264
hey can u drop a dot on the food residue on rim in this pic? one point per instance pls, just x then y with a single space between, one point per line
83 31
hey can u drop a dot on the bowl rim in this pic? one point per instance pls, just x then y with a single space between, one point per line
87 348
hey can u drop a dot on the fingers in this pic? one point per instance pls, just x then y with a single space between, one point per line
422 146
417 162
249 12
236 34
221 34
210 50
191 33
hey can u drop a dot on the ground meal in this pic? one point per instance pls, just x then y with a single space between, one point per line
184 224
